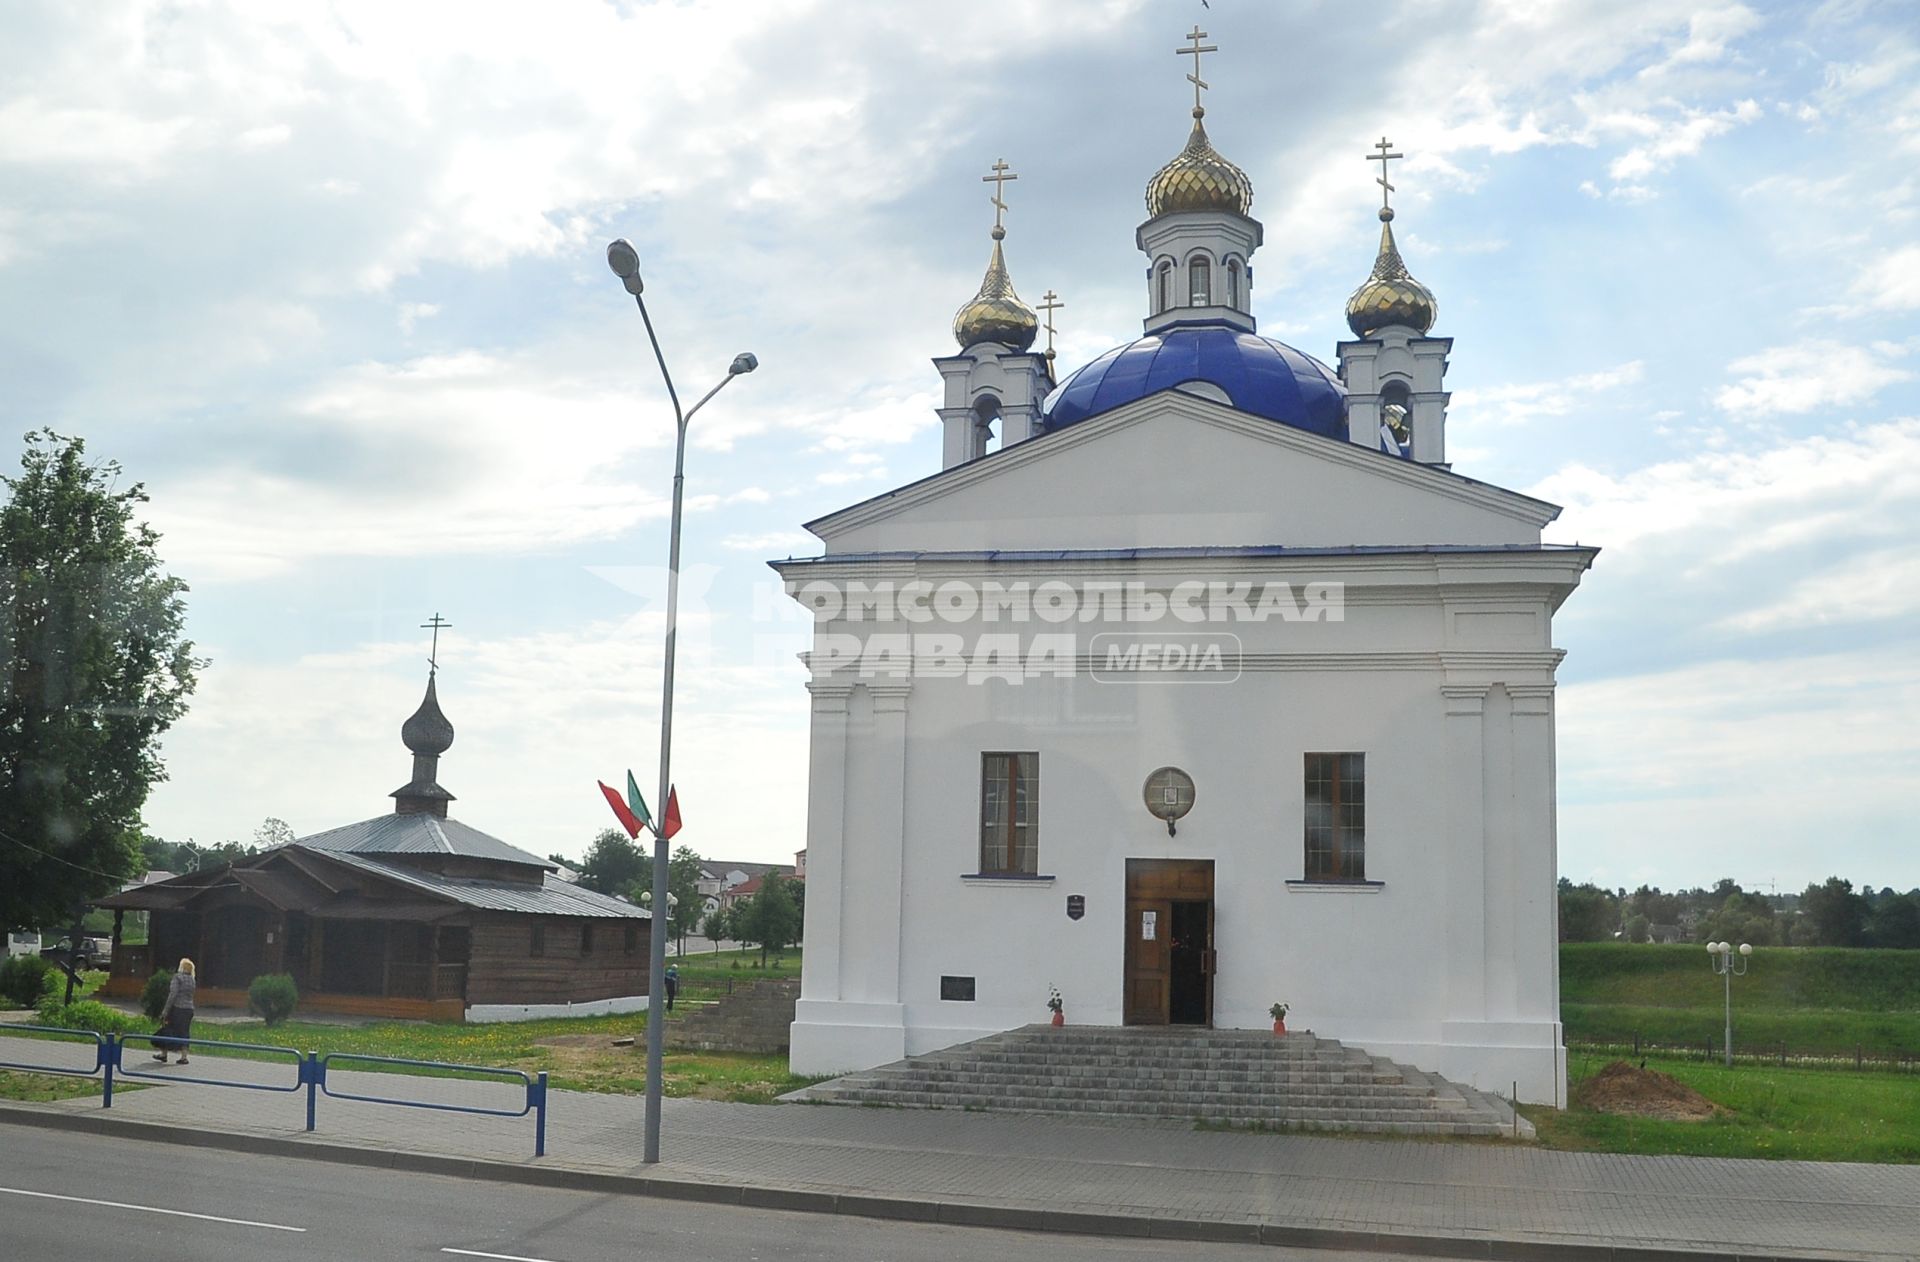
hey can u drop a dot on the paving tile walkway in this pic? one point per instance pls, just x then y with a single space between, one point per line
1460 1191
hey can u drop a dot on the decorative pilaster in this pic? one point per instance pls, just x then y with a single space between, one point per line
826 822
1466 839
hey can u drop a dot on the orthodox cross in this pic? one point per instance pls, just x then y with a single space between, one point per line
433 656
1383 156
1001 174
1050 303
1196 35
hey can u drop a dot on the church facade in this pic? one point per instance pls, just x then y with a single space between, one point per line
1209 686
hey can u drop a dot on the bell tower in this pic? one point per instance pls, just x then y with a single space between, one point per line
995 377
1394 373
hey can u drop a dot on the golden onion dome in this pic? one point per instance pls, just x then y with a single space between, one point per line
996 314
1198 178
1390 295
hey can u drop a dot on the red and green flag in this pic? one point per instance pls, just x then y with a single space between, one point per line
620 811
638 804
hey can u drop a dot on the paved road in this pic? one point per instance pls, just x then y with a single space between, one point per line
316 1212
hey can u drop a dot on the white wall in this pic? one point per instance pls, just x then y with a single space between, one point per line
1440 671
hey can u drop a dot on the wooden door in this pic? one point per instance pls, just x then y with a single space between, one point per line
1153 886
1149 960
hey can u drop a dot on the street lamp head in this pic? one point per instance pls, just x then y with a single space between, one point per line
623 258
744 362
625 262
1746 948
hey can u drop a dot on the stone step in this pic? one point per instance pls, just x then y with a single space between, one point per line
1229 1077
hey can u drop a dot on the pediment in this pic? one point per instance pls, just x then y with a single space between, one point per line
1176 470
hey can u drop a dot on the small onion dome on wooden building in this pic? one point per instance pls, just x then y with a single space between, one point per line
428 734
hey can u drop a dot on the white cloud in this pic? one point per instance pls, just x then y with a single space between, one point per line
1891 282
1730 504
774 543
1523 403
1809 375
1871 587
1667 140
408 314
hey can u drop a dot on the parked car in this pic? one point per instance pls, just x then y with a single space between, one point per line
91 953
22 942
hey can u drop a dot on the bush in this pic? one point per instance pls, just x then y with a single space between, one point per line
88 1014
24 980
153 996
272 997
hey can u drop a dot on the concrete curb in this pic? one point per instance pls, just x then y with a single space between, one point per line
901 1209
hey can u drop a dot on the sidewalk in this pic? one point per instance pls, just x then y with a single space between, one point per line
1133 1178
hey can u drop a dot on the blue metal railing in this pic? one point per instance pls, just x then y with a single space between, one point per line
310 1074
536 1090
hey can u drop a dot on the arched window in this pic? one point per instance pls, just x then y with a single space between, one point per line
1199 283
1396 419
1163 288
1233 283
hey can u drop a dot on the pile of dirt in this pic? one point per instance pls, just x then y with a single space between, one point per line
1625 1091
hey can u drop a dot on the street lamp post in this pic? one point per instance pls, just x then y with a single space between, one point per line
625 262
1729 963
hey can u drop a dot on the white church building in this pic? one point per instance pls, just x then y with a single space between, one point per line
1194 682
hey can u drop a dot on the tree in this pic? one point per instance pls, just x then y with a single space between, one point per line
1587 913
1838 915
1637 927
1896 921
1742 917
272 832
768 920
683 883
97 668
613 863
716 928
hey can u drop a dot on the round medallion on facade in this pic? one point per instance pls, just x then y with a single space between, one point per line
1169 794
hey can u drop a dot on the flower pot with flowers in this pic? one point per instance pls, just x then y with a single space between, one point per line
1056 1005
1279 1012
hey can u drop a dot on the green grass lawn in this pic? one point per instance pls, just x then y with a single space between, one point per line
577 1053
739 966
1814 999
1781 1114
41 1088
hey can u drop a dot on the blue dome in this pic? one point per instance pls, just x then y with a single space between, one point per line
1260 375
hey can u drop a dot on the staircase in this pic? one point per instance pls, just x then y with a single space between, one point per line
1247 1078
753 1018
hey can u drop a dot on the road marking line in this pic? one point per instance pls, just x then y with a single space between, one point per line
150 1209
504 1257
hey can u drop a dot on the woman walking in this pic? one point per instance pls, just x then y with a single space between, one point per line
176 1018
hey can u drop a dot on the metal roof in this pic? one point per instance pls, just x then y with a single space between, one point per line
416 834
552 897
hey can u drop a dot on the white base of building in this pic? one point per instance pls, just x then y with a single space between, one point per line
494 1013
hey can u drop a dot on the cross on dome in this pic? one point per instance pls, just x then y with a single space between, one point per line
1001 174
1196 35
1382 156
1050 303
433 654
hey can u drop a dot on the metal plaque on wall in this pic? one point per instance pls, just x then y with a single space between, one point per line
1076 906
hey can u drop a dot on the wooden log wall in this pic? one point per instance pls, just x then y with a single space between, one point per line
503 970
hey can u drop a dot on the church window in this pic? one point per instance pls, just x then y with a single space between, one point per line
1010 814
1199 283
1233 283
1336 817
1163 287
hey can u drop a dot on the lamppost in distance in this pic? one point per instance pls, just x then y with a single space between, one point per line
625 262
1730 963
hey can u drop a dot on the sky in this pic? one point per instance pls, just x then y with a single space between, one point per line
330 280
